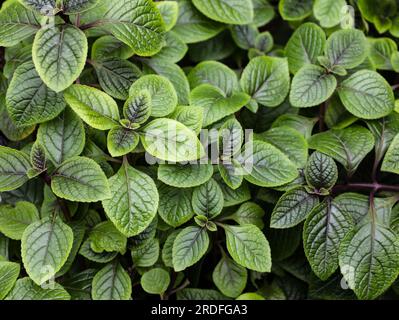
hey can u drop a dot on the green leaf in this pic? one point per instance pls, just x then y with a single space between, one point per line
52 206
324 229
146 254
249 213
55 49
170 140
8 126
15 56
311 86
121 141
227 11
175 205
9 272
328 12
369 258
45 247
62 138
26 289
134 201
137 109
116 75
263 12
169 11
108 46
289 141
176 76
283 244
367 95
321 171
217 48
208 199
248 247
155 281
91 218
80 179
111 283
250 296
191 116
189 247
185 176
264 42
292 208
305 46
167 255
377 14
88 253
78 234
215 104
264 117
105 237
136 23
51 7
293 10
390 163
267 166
337 117
347 146
395 61
229 277
29 100
38 158
95 107
174 50
77 6
266 80
216 74
381 51
17 23
192 26
231 138
14 165
4 242
42 6
302 124
244 36
149 232
231 172
163 95
201 220
210 225
14 220
355 204
384 131
347 48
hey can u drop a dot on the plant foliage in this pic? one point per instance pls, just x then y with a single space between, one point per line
199 149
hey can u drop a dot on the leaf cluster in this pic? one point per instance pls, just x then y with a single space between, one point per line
111 112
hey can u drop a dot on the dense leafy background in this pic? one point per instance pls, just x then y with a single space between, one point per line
85 214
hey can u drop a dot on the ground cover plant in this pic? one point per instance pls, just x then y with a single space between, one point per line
199 149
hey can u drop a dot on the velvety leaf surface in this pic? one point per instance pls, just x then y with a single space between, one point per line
133 202
55 49
45 247
30 100
111 283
